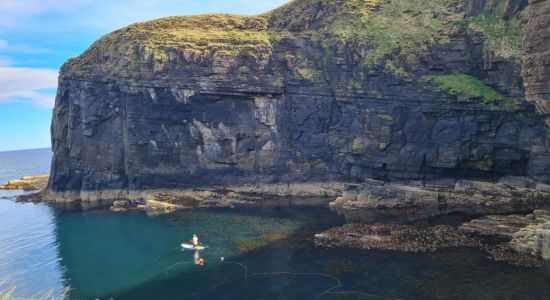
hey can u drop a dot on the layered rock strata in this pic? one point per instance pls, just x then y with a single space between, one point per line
374 200
536 67
313 92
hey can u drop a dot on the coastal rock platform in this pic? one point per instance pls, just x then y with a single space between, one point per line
375 200
27 183
528 234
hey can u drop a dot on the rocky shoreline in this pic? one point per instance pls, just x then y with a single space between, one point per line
527 236
27 183
411 201
169 200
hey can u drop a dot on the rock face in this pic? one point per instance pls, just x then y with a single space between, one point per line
537 57
314 91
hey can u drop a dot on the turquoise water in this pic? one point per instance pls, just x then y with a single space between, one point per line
99 254
268 254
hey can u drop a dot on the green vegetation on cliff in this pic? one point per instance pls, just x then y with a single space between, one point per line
404 27
503 37
409 27
393 35
199 33
397 71
466 86
214 36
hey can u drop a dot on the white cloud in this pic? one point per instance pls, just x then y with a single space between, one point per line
3 44
25 84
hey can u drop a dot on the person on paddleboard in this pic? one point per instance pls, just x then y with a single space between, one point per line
195 241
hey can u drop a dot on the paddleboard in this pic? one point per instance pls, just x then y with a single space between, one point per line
191 247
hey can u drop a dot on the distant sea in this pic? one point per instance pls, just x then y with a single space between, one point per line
16 164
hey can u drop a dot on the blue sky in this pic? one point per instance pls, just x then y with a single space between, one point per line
37 36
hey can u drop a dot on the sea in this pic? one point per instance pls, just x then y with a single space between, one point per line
49 252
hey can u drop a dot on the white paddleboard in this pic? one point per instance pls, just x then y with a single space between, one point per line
191 247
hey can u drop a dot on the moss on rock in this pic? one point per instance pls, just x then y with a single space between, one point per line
466 86
503 36
402 26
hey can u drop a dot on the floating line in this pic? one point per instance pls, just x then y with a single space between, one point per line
357 293
325 292
236 263
339 284
171 266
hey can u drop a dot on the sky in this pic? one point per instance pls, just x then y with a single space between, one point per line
38 36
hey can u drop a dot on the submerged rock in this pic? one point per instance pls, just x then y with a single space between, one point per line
406 238
411 238
505 254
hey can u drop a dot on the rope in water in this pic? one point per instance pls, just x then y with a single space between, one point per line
171 266
339 284
237 263
359 293
328 291
325 292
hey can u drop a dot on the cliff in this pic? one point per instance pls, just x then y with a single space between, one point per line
537 57
415 91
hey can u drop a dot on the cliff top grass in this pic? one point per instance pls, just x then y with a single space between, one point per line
214 34
401 30
385 26
466 86
197 31
320 15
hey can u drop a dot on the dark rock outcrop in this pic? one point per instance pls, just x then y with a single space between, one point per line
312 92
407 238
410 238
